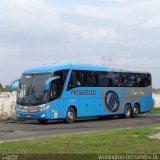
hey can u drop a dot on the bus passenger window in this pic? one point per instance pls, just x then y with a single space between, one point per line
96 82
74 80
78 83
54 92
71 83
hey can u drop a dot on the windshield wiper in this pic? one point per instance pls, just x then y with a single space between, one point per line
25 96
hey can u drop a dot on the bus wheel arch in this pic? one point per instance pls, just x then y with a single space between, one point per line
71 114
136 110
128 110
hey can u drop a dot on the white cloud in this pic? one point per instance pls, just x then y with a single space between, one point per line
5 51
114 0
153 22
30 16
34 32
100 34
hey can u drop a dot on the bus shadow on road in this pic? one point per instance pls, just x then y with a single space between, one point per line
62 121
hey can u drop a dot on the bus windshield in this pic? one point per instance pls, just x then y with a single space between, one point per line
31 89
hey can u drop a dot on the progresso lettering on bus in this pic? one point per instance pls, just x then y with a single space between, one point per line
83 92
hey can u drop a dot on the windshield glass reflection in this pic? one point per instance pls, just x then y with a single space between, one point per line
31 89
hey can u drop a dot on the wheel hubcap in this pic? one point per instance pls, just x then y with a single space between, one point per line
70 115
136 110
128 111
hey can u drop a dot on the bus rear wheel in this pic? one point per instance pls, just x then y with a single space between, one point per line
135 111
71 115
128 111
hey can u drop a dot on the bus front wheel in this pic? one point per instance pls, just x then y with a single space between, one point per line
135 111
71 115
127 111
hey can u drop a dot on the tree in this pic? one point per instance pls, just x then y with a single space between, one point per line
1 87
4 89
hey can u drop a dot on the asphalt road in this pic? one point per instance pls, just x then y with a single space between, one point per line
11 130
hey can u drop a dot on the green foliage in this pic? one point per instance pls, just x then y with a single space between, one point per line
4 88
155 110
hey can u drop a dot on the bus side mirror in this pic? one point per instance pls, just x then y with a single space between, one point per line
11 86
48 81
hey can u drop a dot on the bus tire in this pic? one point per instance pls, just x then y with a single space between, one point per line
42 121
135 111
128 111
71 115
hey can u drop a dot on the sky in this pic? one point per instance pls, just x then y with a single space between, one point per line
38 32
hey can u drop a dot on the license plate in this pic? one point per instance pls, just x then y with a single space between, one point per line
29 116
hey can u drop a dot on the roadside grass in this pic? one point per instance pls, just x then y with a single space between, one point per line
155 110
122 141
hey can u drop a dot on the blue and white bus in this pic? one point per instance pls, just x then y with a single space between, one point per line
72 91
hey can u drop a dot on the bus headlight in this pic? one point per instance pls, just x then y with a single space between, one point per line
31 109
43 115
44 108
47 107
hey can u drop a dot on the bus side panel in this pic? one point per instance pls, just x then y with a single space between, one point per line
86 100
114 99
70 102
146 100
145 103
100 103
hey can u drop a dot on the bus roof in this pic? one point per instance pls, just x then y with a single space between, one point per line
55 67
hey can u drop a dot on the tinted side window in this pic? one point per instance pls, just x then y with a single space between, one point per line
105 79
122 79
63 75
108 79
139 80
75 80
135 80
146 78
83 79
91 79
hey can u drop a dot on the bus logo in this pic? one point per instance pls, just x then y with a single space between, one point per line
112 101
